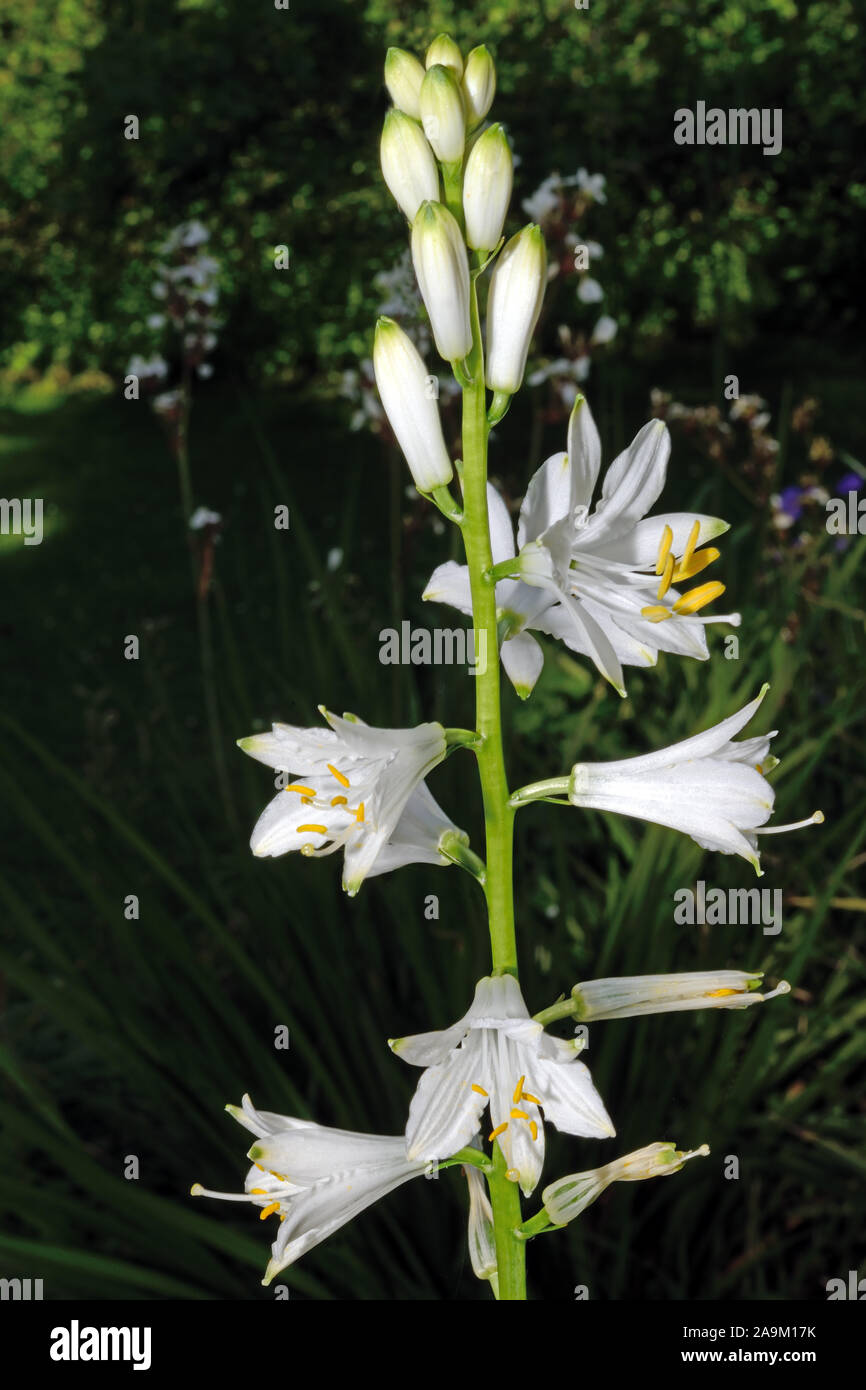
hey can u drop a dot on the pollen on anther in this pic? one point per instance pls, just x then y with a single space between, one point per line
258 1191
479 1090
698 598
690 543
305 791
359 814
533 1130
667 577
341 777
533 1100
518 1114
655 613
518 1091
338 801
500 1129
315 829
269 1210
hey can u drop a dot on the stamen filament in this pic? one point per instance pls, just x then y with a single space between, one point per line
816 818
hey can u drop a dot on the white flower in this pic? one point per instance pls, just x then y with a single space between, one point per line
604 331
498 1056
147 369
203 516
407 162
442 268
707 786
442 114
362 790
403 78
513 305
593 184
589 291
313 1178
611 572
627 996
487 188
568 1197
404 386
544 200
479 85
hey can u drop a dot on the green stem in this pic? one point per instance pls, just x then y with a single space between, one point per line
541 791
498 815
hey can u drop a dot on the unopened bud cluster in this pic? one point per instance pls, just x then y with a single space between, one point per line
451 175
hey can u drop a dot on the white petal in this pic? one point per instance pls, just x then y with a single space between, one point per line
310 1155
548 499
449 583
570 1099
444 1113
501 527
584 453
289 749
631 485
706 744
640 546
523 660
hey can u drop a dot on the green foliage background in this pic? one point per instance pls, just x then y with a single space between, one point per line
128 1037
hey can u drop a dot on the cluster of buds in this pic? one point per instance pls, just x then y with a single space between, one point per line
186 285
451 175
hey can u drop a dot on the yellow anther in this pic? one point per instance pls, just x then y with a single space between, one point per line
260 1168
664 548
698 562
721 993
666 577
339 801
500 1129
359 814
269 1211
305 791
518 1114
656 613
532 1099
518 1091
759 768
258 1191
315 829
341 778
533 1130
479 1090
699 597
690 543
307 800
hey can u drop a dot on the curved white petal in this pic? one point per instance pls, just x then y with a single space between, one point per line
640 546
584 453
570 1099
501 527
523 660
547 500
703 745
312 1154
444 1113
449 583
631 485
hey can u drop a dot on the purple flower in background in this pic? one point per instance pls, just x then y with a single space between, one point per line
850 482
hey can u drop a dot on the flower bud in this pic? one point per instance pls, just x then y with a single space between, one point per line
407 163
487 189
442 114
404 386
479 84
568 1197
442 268
444 50
403 78
514 303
